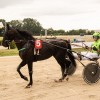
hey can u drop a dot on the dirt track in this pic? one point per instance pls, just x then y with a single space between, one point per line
12 87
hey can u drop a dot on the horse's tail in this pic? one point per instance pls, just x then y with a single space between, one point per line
70 54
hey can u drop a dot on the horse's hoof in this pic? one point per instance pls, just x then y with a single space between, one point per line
60 80
25 78
28 86
56 80
67 79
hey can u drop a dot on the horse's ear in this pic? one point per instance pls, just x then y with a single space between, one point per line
7 27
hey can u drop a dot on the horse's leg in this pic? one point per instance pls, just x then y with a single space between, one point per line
67 65
63 71
62 64
18 70
65 68
30 68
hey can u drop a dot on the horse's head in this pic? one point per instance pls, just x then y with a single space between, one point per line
9 35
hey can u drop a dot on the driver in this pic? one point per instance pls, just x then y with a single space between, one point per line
94 50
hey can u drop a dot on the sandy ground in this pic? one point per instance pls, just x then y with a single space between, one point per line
12 87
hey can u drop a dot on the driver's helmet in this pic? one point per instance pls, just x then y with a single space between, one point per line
96 35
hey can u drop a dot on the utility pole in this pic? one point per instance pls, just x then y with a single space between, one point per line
5 26
45 33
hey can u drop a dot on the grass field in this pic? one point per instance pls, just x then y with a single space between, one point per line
0 38
10 52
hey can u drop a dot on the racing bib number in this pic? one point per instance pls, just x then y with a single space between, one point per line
38 44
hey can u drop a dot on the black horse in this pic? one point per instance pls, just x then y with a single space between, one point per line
51 47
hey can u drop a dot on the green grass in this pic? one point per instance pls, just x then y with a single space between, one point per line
10 52
79 49
1 38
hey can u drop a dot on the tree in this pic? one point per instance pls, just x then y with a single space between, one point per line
50 31
32 25
73 32
2 29
61 32
16 24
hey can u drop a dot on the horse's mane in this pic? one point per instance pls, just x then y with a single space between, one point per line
26 34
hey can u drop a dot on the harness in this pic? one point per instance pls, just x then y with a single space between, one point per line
37 46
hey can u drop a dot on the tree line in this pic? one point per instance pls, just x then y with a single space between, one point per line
33 26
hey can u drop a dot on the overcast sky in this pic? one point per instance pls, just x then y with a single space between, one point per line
56 14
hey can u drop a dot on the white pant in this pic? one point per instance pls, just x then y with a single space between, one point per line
87 55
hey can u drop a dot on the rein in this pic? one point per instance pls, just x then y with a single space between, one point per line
80 45
19 41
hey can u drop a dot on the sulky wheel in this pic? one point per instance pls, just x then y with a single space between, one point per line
91 73
71 70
